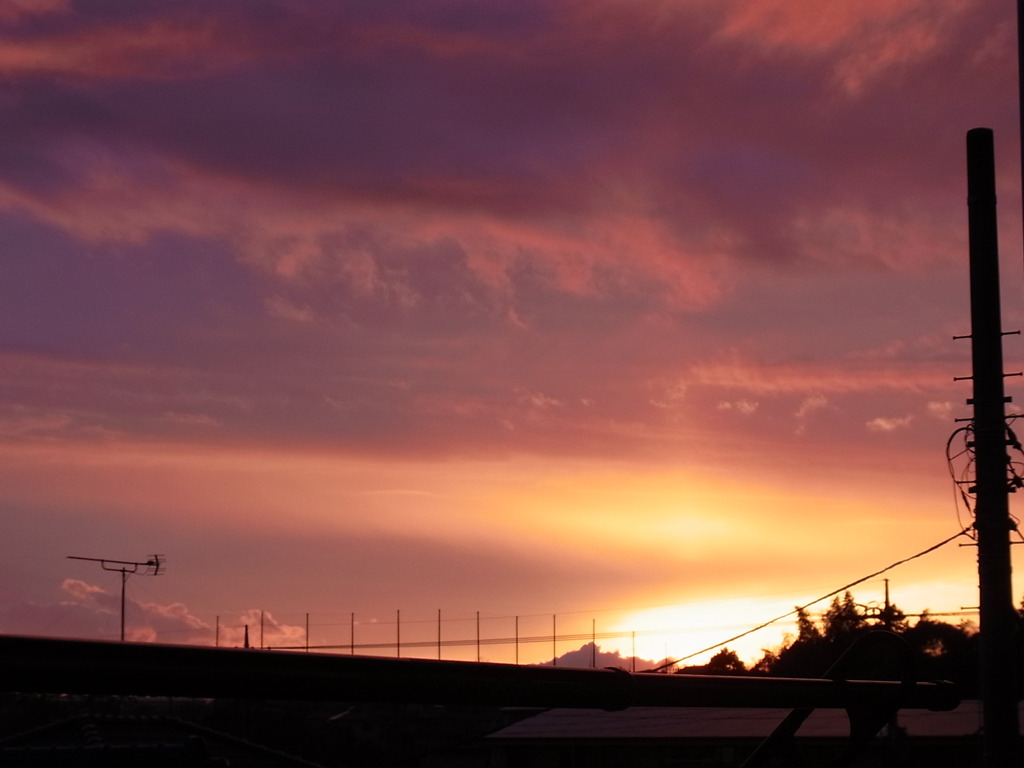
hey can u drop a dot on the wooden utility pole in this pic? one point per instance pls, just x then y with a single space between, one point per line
1001 730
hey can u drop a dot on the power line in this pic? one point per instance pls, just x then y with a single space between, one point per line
797 610
519 639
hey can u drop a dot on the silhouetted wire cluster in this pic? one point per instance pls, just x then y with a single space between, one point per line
833 593
961 464
1015 466
961 471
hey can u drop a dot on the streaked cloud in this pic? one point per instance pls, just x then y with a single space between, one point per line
889 423
535 299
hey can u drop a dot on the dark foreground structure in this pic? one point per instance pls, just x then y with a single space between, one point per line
70 667
716 738
123 731
46 665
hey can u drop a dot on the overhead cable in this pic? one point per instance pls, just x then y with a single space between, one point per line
800 608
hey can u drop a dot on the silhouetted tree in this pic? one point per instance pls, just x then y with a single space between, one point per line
766 663
843 620
892 618
725 662
805 656
941 651
945 652
807 630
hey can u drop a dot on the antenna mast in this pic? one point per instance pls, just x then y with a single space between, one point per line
152 567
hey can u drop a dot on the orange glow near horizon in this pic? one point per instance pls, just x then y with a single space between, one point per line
533 327
721 559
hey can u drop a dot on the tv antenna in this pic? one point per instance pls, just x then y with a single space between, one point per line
152 567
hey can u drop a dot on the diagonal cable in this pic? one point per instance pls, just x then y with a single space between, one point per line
817 600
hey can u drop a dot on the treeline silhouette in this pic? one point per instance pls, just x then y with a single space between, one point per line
941 651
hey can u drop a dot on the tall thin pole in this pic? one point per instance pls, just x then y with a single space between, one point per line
1020 83
992 523
554 640
352 635
517 641
152 567
124 581
478 637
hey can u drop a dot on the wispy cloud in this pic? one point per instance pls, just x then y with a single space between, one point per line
837 376
87 610
889 423
294 259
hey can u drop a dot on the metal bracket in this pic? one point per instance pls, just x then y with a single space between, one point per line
780 748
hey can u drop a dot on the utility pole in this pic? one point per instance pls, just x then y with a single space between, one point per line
992 523
1020 81
152 567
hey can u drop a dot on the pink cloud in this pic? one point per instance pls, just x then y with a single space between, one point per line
155 49
261 625
889 423
310 286
872 37
621 189
15 10
83 591
88 610
737 373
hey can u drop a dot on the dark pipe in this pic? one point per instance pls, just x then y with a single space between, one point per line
29 664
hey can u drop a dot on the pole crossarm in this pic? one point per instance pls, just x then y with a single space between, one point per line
153 566
126 568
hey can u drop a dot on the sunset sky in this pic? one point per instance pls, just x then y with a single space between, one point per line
635 314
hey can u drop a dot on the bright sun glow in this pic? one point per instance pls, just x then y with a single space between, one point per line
682 632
